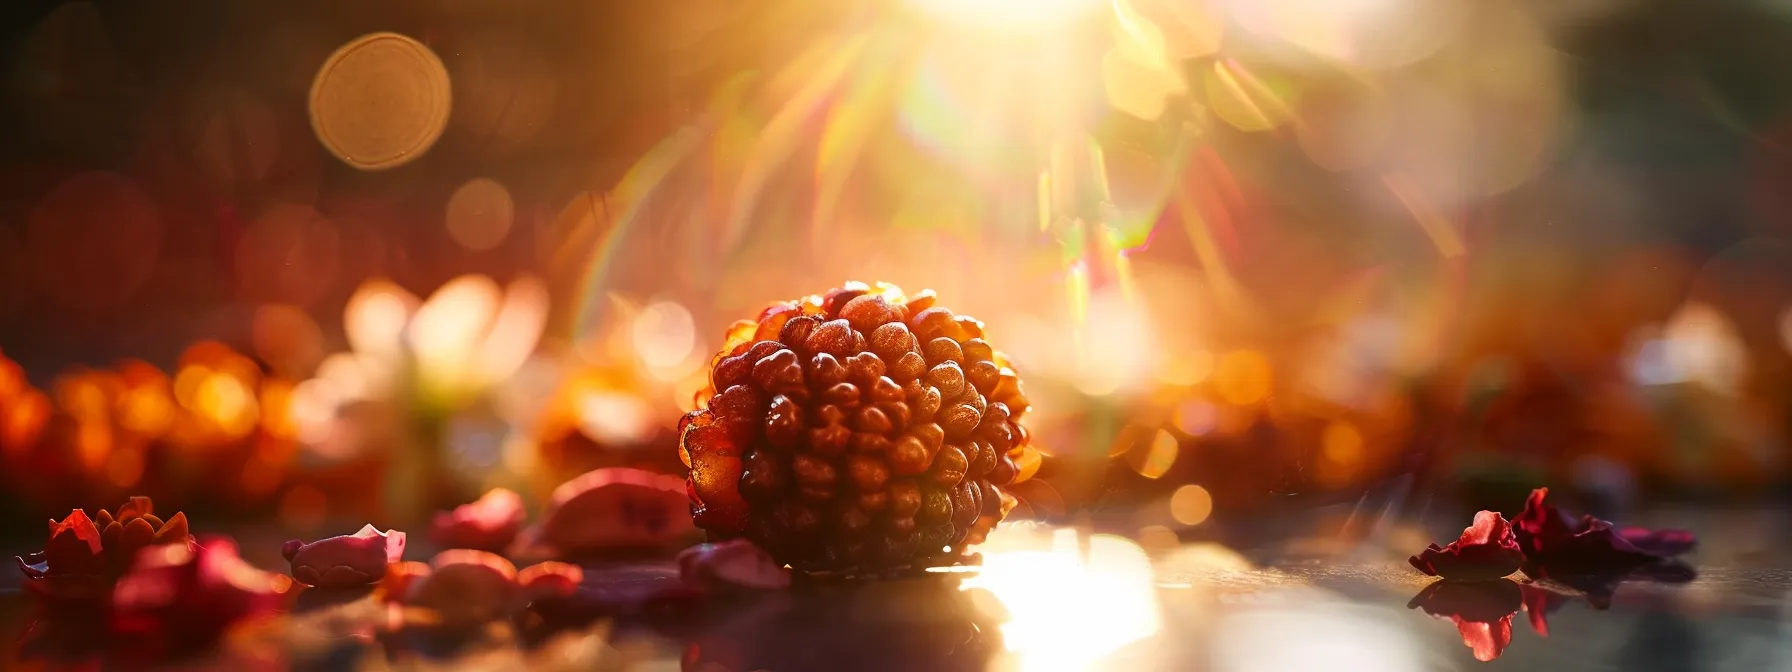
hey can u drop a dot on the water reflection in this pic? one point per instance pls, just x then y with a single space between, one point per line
1072 602
1483 610
914 624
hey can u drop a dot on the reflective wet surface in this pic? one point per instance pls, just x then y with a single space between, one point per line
1062 599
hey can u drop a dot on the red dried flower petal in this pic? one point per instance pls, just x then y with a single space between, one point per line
1555 544
617 508
178 599
489 524
551 580
74 546
466 587
345 561
1486 550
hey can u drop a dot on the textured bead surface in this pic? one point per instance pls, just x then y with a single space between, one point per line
856 431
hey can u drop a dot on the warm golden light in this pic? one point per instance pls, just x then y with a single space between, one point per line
1068 608
375 317
1243 377
1153 460
1016 16
664 337
1303 631
226 401
380 101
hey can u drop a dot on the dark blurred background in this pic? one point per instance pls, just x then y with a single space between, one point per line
1527 240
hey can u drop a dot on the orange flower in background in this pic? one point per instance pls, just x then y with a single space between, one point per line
83 554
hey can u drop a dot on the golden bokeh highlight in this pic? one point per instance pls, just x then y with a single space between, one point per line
125 467
146 410
287 339
664 336
24 420
380 101
1243 377
1154 459
480 214
1191 505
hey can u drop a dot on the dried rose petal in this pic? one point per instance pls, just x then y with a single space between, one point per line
1481 610
344 561
178 599
1555 544
489 524
731 565
550 580
466 587
1660 543
617 508
400 576
1486 550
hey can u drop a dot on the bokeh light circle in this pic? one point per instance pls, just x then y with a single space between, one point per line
480 214
94 239
1191 505
380 101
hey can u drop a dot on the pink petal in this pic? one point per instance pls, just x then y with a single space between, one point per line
617 508
731 564
347 560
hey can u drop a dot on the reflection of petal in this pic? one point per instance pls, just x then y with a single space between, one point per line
1597 588
1481 610
1474 600
1545 596
1538 605
1488 640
